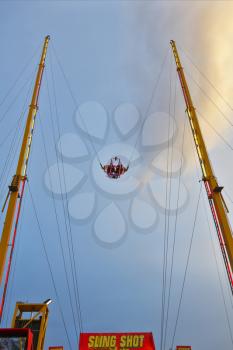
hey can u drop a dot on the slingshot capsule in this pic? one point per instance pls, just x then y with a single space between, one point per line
114 169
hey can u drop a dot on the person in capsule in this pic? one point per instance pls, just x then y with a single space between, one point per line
114 169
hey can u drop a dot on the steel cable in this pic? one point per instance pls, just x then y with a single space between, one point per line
65 209
218 272
74 101
14 144
19 76
186 267
61 189
206 78
217 132
146 115
176 216
12 280
49 265
58 226
166 218
214 252
16 97
210 99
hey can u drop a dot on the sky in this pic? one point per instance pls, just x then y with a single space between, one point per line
101 97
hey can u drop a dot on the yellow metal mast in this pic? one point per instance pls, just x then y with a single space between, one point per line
216 201
22 162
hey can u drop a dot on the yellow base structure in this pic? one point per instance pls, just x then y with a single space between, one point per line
35 317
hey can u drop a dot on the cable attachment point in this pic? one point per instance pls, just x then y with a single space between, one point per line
14 186
24 178
34 107
218 189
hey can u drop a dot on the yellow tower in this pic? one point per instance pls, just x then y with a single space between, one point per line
19 177
216 201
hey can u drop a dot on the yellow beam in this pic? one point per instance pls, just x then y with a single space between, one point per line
207 170
22 162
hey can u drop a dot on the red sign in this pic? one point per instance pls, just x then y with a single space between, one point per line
116 341
183 347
